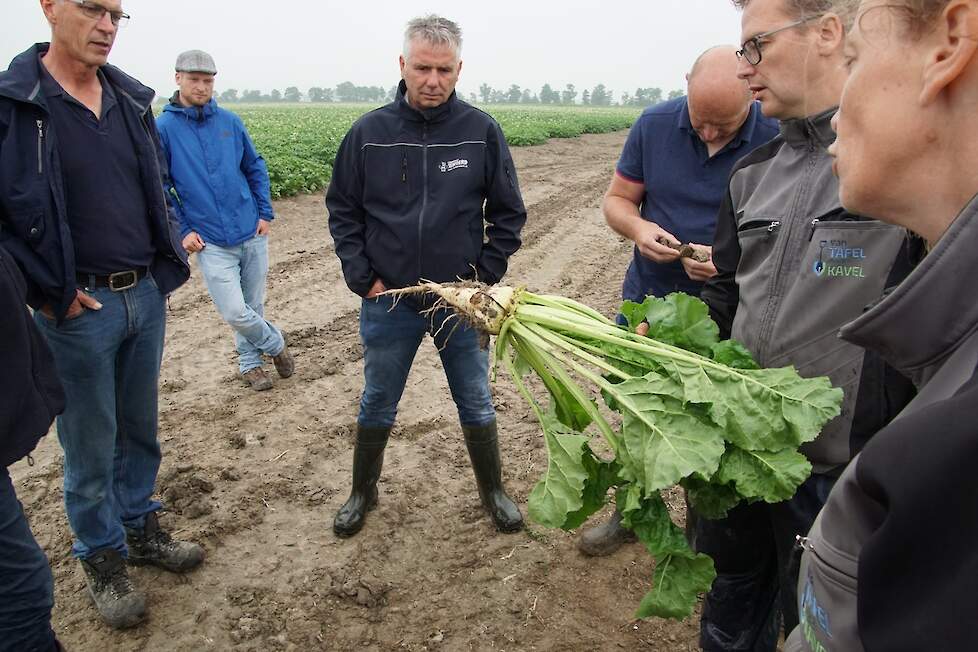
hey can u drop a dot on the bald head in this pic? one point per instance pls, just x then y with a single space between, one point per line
719 102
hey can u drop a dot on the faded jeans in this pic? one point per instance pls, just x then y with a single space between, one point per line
109 363
391 337
235 278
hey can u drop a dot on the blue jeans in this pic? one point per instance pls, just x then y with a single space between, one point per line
109 363
235 278
26 585
391 337
756 589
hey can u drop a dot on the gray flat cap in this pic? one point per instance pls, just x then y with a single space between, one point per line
196 61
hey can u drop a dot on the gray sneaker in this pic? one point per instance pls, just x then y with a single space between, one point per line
257 379
154 547
606 538
284 363
117 600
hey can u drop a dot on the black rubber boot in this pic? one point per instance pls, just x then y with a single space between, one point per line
606 538
368 458
483 447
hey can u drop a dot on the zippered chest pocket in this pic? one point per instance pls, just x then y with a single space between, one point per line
392 175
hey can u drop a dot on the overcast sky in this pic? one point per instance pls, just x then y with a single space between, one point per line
280 43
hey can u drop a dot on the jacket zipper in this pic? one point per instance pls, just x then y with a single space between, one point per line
805 545
509 177
811 233
775 287
424 191
404 168
817 221
40 147
770 227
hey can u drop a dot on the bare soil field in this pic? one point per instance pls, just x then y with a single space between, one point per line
257 477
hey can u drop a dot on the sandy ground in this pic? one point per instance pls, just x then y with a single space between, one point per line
256 478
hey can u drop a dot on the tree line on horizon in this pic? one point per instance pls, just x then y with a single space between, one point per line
347 92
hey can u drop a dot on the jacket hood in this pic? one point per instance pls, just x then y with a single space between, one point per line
423 115
918 325
811 130
21 81
193 112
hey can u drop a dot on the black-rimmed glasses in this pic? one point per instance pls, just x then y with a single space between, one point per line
95 11
751 48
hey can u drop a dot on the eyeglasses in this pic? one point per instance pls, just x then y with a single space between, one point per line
95 11
751 48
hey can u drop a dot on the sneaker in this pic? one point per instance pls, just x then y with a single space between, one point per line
257 379
284 363
154 547
117 600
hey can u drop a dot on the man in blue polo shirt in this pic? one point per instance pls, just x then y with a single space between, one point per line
667 190
673 172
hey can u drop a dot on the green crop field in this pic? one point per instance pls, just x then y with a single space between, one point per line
299 142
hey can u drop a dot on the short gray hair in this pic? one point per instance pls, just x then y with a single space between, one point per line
435 30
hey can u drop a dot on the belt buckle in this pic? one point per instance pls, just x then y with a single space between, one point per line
121 281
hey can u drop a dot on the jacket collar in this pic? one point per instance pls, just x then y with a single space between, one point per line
814 130
21 81
435 114
193 112
918 325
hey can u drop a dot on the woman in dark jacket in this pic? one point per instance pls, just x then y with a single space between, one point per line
30 398
892 561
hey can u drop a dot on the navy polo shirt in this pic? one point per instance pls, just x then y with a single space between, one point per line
107 212
684 186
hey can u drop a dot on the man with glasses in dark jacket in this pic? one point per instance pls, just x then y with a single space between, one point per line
82 212
414 186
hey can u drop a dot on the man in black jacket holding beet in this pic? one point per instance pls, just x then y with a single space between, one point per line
414 186
30 397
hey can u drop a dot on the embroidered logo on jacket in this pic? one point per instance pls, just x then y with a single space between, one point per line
814 620
837 259
457 164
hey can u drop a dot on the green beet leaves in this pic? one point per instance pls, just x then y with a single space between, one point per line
693 410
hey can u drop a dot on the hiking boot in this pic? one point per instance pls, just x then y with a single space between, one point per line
606 538
368 459
284 363
117 600
153 546
257 378
483 446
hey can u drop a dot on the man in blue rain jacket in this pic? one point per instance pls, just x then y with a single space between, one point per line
220 191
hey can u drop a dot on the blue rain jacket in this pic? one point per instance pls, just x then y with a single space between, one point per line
219 184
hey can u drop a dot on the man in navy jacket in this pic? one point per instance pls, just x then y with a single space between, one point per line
414 186
82 213
220 193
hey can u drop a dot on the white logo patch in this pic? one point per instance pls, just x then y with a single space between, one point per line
457 164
